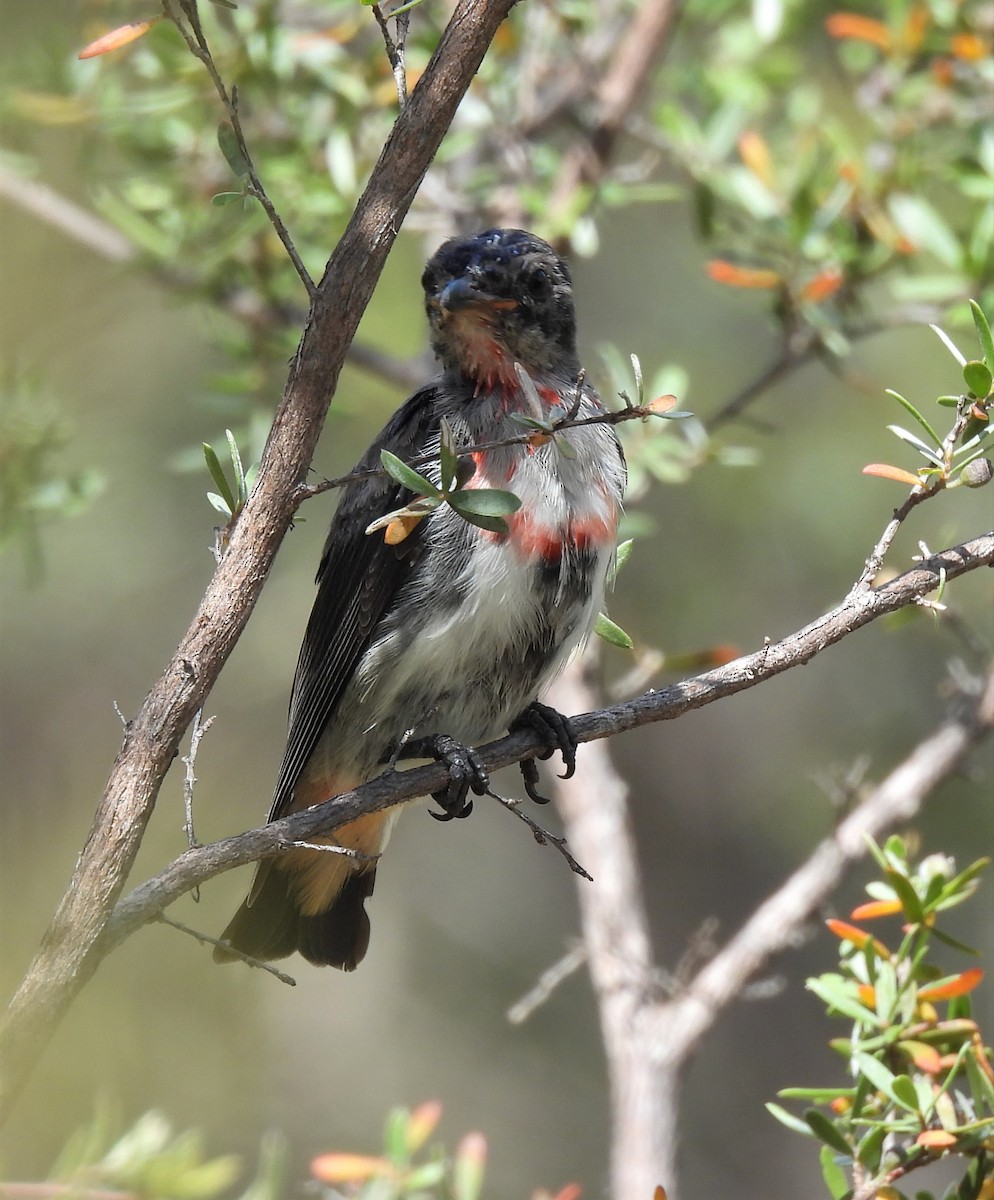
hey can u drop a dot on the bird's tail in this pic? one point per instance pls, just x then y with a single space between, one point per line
270 924
311 900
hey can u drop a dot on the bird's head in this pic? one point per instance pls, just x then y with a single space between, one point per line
500 297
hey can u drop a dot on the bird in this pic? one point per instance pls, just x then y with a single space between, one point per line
433 643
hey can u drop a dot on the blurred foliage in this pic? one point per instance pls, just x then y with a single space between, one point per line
32 487
150 1161
923 1076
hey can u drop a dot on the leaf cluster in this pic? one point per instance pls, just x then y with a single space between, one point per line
922 1076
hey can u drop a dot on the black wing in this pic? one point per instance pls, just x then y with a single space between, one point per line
358 577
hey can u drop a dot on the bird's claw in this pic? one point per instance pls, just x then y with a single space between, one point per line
466 772
557 731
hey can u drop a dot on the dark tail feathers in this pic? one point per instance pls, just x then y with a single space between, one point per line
273 926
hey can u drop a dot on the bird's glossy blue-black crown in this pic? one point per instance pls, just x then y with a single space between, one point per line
524 286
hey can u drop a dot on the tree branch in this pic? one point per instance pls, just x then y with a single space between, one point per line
71 948
203 862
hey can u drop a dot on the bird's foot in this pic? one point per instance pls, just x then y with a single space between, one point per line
466 772
556 730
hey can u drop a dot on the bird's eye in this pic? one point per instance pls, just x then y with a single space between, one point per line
537 282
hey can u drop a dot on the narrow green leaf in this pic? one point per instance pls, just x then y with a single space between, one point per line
839 994
484 502
493 524
533 423
236 463
217 474
910 408
639 384
949 344
933 456
825 1131
822 1095
220 504
910 900
623 554
788 1119
220 199
605 628
428 1175
234 156
922 225
448 459
406 476
984 333
878 1075
833 1175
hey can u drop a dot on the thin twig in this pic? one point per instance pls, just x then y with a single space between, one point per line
196 42
546 984
542 835
631 413
205 939
395 49
197 731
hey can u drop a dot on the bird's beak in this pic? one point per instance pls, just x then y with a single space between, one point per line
463 293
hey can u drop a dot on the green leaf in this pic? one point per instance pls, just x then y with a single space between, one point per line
928 452
904 1093
606 629
484 502
222 505
983 333
833 1175
234 156
839 994
428 1175
949 344
220 199
448 458
977 377
923 227
869 1148
910 408
639 385
537 424
217 474
406 476
270 1175
909 898
825 1131
236 463
788 1119
492 524
878 1075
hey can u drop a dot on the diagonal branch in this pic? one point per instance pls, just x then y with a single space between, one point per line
71 949
203 862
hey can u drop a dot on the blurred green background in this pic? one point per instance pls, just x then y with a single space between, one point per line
725 802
